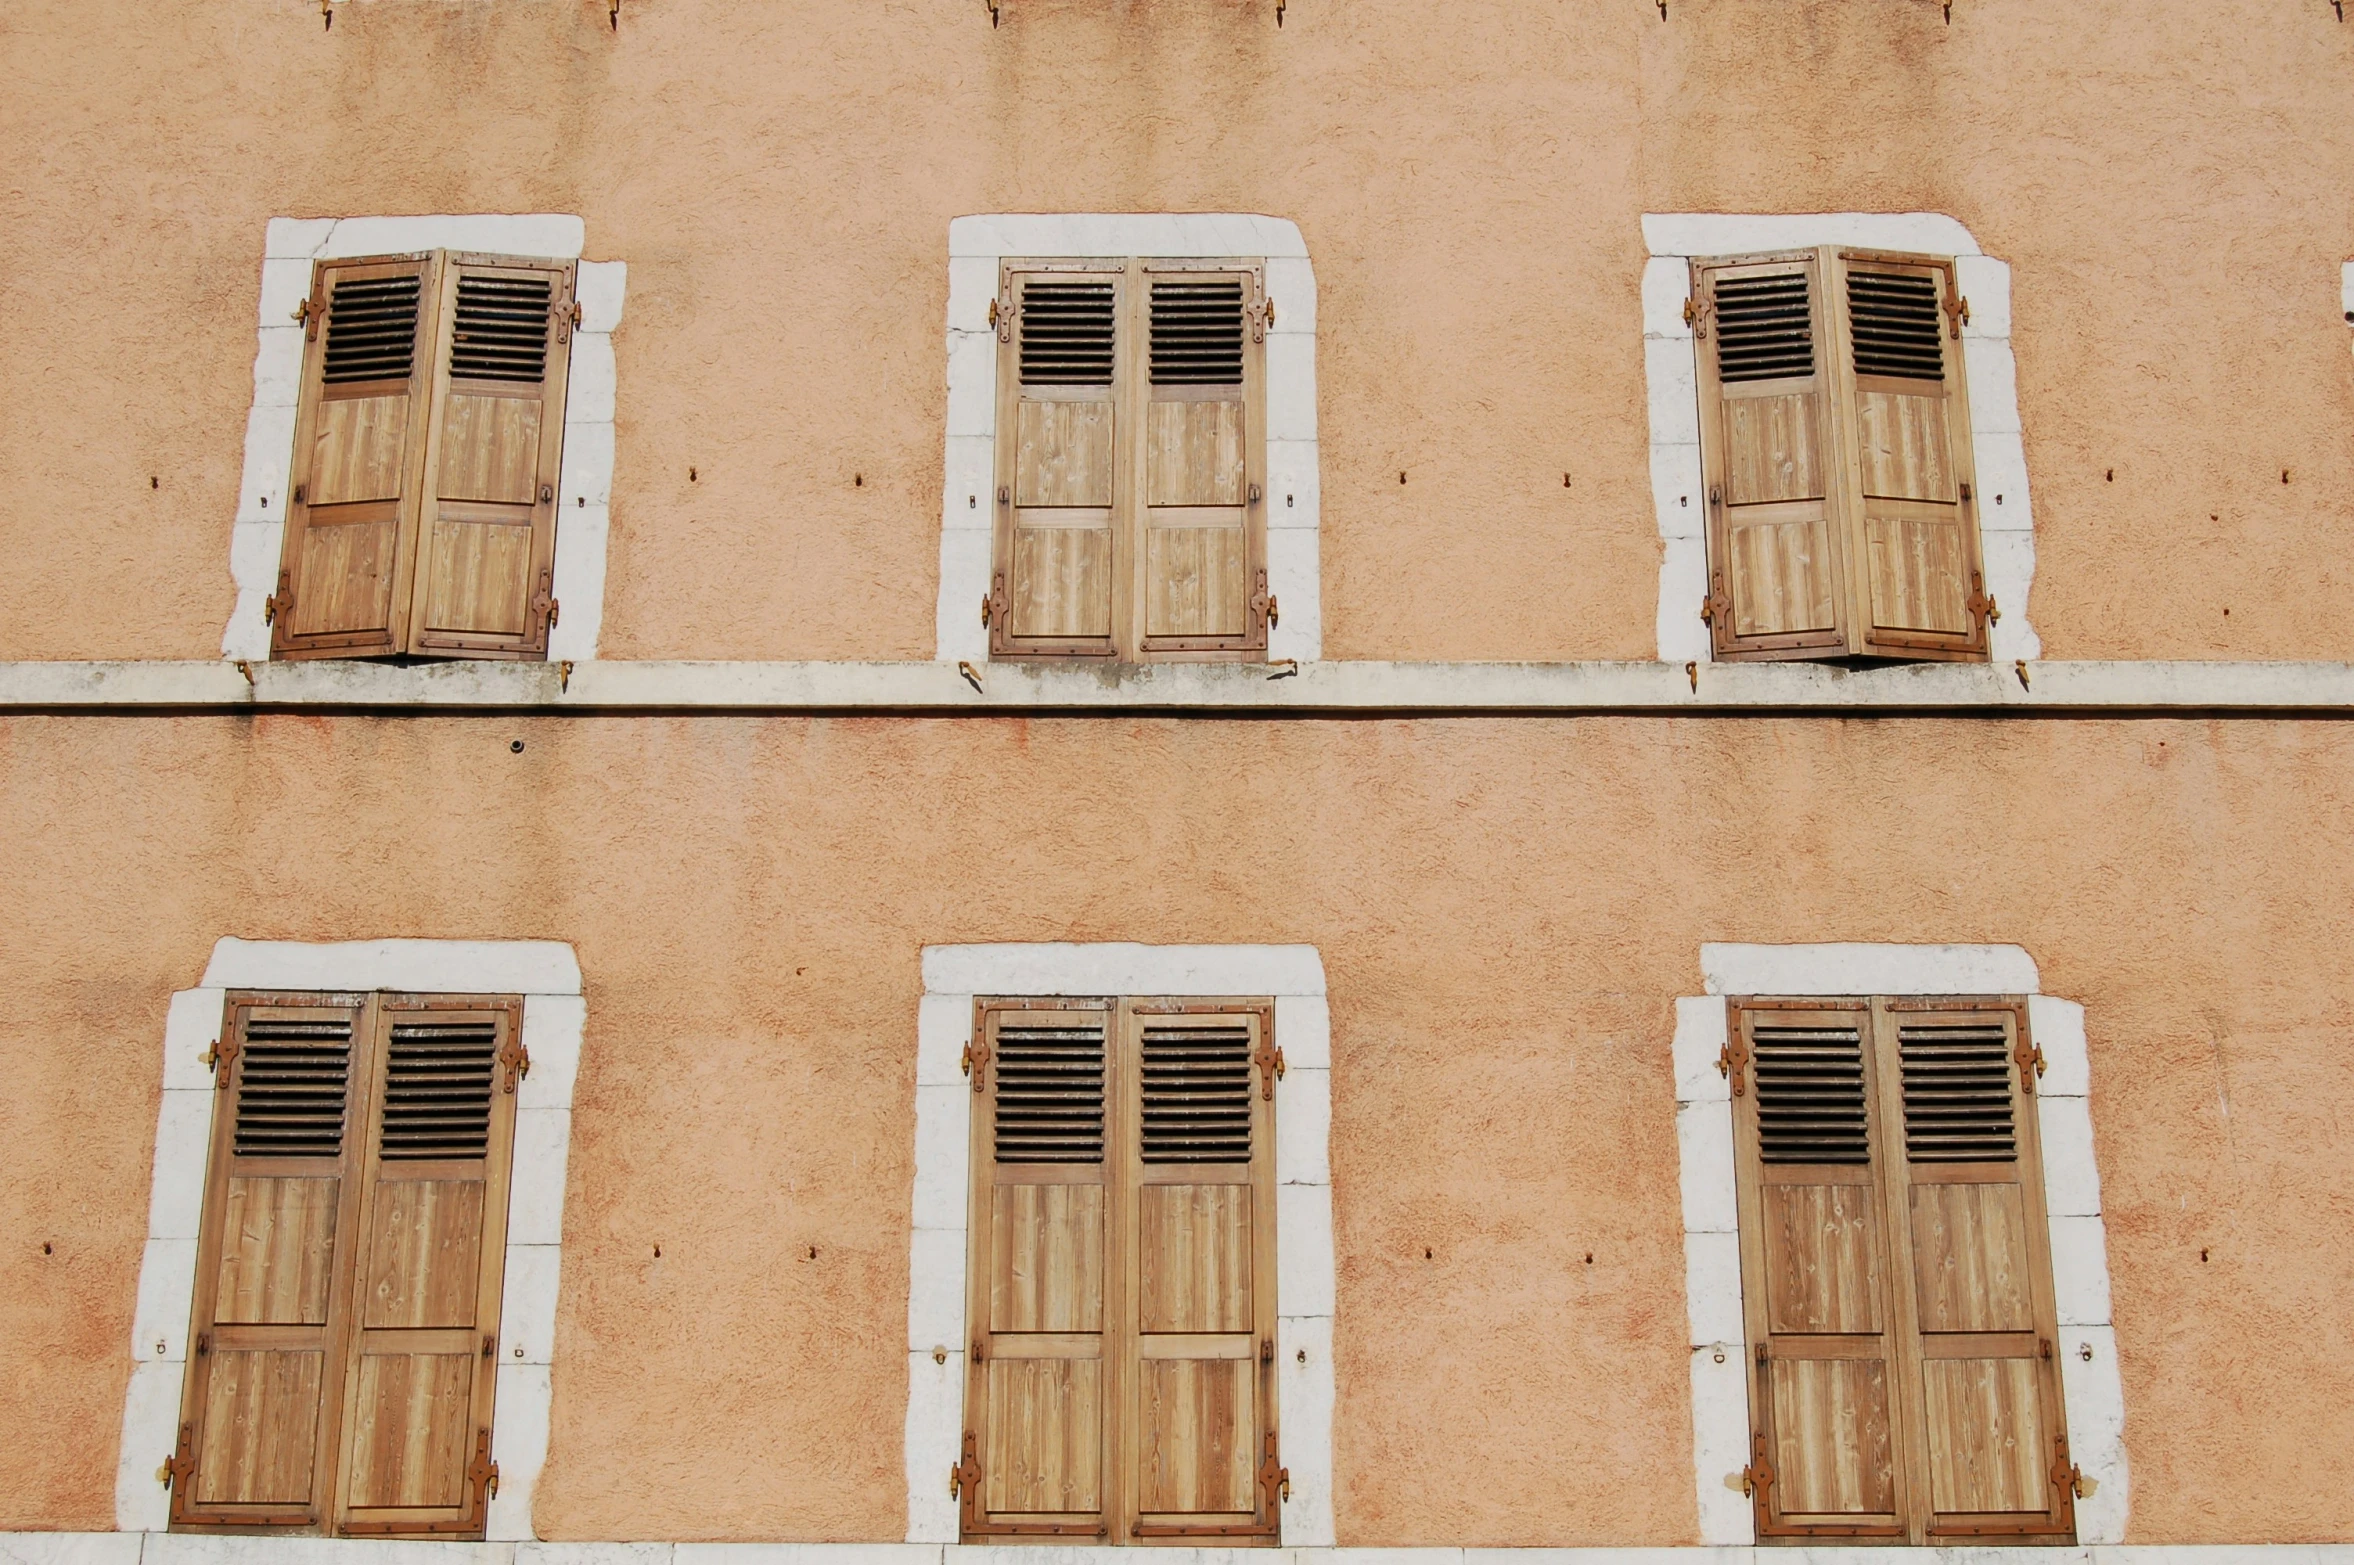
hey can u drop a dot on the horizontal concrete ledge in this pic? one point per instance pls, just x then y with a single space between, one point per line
156 1548
1326 688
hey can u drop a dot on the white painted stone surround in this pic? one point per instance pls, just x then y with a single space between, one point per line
976 246
291 246
2072 1192
546 975
953 977
2005 523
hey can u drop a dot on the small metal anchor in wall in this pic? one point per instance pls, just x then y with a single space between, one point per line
327 10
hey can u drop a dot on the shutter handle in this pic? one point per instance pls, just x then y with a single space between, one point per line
547 492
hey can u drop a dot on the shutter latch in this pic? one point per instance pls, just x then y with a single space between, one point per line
1729 1061
1274 1477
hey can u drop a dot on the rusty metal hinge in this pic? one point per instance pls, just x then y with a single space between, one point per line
999 607
1269 1059
984 611
965 1477
482 1472
1957 311
1758 1477
1730 1061
517 1059
310 312
1697 311
2067 1477
1262 604
1261 315
976 1065
220 1057
1001 308
2031 1066
1274 1477
1980 605
177 1467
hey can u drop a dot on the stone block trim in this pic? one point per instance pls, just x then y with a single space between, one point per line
2006 522
2089 1380
976 246
291 246
547 976
953 977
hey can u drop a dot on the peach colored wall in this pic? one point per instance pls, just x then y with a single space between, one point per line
2171 181
1505 911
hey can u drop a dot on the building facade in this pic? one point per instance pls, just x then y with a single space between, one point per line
882 780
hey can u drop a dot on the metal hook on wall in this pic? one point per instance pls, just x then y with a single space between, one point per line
327 10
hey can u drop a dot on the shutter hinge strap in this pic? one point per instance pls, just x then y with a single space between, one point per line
1262 605
1758 1478
1696 315
1729 1063
2031 1064
1957 311
1274 1477
964 1479
517 1059
1269 1059
2067 1477
482 1472
976 1063
176 1467
220 1056
279 602
1980 605
310 312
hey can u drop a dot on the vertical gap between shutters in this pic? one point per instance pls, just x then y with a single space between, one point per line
437 1087
1050 1093
292 1087
1066 333
1957 1091
371 329
501 331
1810 1093
1764 329
1197 1094
1196 332
1894 320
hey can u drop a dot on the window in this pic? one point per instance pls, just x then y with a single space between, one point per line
423 518
349 1266
1896 1272
1121 1288
1131 461
1835 447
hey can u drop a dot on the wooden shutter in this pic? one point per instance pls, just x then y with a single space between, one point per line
1923 584
1201 1448
265 1371
1040 1382
486 555
1769 457
1972 1216
1202 568
430 1259
1896 1273
1060 463
1816 1295
351 523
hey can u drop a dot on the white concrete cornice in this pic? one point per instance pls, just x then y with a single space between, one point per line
1306 689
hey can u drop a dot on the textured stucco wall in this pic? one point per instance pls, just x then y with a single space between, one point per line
1505 911
2171 183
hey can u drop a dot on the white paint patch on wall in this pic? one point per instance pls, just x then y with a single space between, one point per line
2089 1380
292 246
2006 521
1304 1286
547 976
976 247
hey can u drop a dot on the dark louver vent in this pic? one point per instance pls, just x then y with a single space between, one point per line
1197 1094
1763 328
1066 334
371 329
502 329
291 1087
437 1084
1957 1092
1197 333
1810 1094
1049 1094
1894 319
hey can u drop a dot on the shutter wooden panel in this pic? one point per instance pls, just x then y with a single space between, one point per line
1816 1274
360 436
1201 1274
1770 459
1060 463
1980 1265
1202 568
486 554
272 1287
1039 1381
430 1254
1912 487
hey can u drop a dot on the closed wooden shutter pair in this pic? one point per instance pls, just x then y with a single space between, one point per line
1122 1282
1835 449
1896 1272
423 518
1131 461
349 1266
